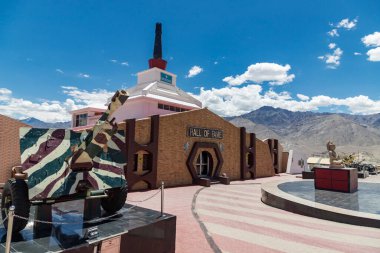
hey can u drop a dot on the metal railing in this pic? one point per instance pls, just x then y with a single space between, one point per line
11 215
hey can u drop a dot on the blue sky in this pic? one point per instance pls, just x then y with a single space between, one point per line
57 56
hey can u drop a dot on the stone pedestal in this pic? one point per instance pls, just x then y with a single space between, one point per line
340 179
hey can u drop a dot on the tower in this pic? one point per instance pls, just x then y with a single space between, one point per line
157 60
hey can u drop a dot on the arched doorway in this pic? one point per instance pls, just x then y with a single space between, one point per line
204 164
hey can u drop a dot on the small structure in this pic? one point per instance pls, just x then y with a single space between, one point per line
317 161
296 162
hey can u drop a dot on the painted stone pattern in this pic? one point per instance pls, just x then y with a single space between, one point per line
57 160
43 153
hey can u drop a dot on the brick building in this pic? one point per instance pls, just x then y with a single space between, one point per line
170 138
193 147
9 146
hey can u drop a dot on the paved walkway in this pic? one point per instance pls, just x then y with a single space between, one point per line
233 219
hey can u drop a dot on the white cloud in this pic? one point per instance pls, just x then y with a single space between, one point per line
357 53
215 62
303 97
333 33
82 75
332 60
332 45
124 63
372 39
273 73
59 71
51 110
374 54
84 98
233 101
4 94
5 91
195 70
347 24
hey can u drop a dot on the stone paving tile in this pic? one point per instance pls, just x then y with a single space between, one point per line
234 219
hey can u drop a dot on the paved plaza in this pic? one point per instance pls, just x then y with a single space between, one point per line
232 218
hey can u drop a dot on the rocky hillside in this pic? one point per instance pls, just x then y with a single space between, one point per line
309 132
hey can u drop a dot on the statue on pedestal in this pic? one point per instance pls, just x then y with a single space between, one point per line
335 161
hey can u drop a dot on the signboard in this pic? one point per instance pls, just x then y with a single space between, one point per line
204 133
166 78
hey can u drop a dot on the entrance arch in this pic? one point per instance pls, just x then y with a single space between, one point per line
193 156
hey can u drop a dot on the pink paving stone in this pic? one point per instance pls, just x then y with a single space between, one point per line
235 246
190 237
288 236
178 201
313 222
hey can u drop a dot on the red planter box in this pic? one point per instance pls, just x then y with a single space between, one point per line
342 180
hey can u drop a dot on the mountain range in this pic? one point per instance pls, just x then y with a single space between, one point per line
305 132
308 132
41 124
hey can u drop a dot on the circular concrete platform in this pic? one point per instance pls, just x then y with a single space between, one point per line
359 208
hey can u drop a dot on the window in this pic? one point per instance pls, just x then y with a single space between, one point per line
81 120
171 108
204 164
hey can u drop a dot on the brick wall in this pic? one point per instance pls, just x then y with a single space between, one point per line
173 139
9 146
264 164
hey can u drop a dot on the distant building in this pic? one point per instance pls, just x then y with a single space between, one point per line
156 93
318 161
85 117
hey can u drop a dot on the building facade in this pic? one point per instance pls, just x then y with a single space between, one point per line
194 147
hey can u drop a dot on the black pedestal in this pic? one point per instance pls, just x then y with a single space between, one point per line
91 209
44 213
135 229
